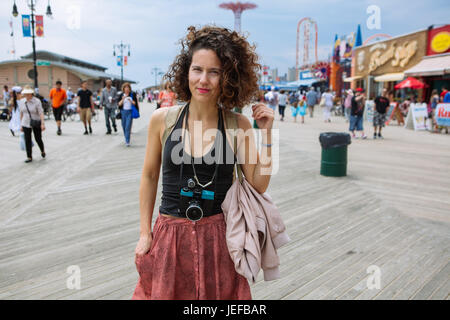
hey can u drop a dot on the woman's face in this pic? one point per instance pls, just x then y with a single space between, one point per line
204 76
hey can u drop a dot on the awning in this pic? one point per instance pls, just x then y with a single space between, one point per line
390 77
431 66
350 79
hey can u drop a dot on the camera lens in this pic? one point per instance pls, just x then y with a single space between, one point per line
194 212
191 183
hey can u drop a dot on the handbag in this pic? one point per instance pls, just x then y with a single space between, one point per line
33 123
254 227
134 112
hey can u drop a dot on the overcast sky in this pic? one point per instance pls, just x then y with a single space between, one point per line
153 27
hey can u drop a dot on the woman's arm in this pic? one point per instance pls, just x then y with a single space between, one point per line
149 180
256 167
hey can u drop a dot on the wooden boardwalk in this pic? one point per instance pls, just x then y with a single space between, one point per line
80 207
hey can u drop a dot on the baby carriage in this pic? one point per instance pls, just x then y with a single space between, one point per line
4 113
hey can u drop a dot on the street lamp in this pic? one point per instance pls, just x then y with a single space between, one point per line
120 47
15 13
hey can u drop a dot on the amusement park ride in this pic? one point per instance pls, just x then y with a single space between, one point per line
319 69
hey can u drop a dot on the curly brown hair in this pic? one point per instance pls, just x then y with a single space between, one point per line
238 81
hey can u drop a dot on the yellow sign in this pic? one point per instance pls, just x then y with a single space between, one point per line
441 42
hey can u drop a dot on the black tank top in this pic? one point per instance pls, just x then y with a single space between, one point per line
171 184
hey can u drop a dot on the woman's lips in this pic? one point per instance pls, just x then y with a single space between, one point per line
202 90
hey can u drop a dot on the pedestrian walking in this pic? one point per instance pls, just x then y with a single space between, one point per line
70 95
272 99
328 101
32 121
182 259
58 96
166 97
14 122
311 100
85 107
379 116
357 113
6 96
348 104
127 100
282 101
108 100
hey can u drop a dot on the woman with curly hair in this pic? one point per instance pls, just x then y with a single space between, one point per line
186 255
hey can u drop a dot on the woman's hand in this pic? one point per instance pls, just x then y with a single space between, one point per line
143 246
263 116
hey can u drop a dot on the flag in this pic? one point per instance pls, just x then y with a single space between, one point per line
119 61
125 60
26 25
39 26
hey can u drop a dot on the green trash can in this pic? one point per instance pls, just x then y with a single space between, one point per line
334 153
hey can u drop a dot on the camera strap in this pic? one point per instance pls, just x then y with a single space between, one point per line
217 149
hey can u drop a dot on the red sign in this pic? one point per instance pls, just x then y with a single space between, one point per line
39 26
438 40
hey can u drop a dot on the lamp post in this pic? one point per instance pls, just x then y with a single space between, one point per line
157 72
15 13
120 47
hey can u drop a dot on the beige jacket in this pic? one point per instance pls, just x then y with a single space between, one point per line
254 231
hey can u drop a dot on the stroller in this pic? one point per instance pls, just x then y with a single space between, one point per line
4 113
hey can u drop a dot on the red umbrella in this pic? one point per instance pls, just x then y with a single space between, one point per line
412 83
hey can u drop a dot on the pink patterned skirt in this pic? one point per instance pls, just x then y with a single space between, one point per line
189 261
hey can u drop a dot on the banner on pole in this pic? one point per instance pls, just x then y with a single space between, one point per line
39 26
26 25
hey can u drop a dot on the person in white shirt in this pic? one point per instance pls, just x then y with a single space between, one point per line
282 100
329 98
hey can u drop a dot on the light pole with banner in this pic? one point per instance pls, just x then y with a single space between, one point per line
121 59
15 13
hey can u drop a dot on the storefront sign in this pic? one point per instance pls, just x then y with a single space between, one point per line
442 114
393 55
439 40
400 55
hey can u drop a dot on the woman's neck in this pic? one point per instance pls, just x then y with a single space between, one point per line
202 111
